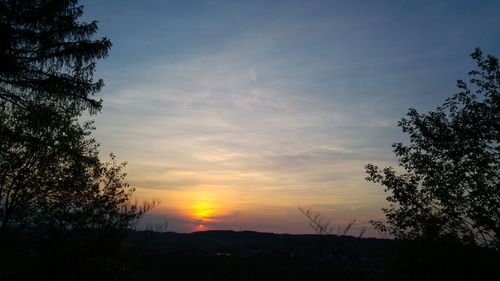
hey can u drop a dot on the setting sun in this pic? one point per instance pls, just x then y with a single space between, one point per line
203 207
202 210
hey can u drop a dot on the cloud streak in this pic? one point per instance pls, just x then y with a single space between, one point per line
261 112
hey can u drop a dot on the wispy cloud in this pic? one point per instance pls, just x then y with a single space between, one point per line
262 112
210 123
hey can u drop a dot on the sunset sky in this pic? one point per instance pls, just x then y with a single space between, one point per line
235 113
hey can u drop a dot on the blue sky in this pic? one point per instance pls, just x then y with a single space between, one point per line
253 108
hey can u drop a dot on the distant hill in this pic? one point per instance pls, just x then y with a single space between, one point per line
244 243
248 255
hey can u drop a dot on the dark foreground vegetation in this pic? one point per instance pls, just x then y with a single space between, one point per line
228 255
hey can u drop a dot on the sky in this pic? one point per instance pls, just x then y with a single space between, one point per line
235 113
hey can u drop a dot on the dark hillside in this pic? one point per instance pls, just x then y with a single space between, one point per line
247 255
246 243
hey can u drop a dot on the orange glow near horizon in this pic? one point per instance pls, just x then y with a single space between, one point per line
203 206
220 201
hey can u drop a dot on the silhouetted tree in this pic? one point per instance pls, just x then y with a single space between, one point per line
47 55
448 186
50 171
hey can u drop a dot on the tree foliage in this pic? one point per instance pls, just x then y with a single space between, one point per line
449 183
50 171
47 55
